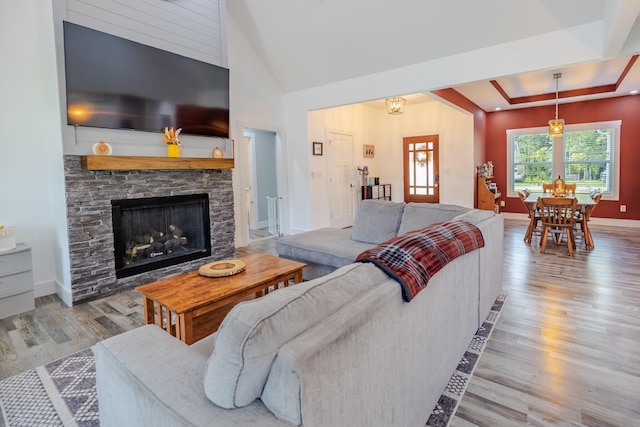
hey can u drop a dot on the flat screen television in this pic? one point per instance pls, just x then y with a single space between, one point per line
117 83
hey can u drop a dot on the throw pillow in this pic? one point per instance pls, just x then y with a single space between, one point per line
376 221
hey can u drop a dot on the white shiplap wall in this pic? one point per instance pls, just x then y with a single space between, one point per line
192 28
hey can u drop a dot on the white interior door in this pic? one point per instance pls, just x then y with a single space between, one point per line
341 192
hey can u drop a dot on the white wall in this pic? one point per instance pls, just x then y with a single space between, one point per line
355 120
31 178
374 126
456 147
256 103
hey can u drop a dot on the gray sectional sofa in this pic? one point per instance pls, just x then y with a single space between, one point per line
376 221
343 349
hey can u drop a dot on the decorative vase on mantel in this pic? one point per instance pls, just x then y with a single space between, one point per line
174 150
171 138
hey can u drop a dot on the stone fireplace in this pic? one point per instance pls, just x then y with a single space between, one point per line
154 232
89 196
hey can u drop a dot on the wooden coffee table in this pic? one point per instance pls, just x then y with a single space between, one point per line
189 306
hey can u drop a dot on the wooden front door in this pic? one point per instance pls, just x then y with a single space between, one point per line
421 170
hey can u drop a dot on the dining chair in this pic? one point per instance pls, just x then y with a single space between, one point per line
558 218
582 219
571 188
546 188
534 216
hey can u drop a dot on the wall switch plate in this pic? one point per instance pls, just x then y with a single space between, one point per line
623 208
501 202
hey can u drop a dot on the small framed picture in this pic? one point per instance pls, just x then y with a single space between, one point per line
369 150
317 148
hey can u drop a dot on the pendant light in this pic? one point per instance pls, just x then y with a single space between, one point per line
395 105
556 127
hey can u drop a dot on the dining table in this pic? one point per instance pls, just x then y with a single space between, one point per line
584 205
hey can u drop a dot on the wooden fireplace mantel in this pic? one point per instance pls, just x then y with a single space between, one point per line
152 163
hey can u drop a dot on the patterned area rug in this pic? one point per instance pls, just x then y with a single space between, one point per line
63 393
60 393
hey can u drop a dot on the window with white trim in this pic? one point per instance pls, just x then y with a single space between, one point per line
587 155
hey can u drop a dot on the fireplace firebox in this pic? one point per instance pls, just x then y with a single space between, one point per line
156 232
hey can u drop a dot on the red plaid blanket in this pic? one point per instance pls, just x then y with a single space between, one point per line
413 258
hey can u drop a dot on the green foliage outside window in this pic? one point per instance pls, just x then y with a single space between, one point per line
533 159
587 159
587 156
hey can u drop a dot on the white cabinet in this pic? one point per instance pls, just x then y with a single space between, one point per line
16 281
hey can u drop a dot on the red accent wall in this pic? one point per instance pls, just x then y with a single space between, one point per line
625 108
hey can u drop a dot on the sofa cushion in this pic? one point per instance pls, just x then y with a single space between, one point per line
253 332
475 216
376 221
417 216
325 246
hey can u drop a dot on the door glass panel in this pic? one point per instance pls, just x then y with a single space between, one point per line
421 175
412 173
431 146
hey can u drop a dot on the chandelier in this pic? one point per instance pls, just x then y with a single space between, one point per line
556 126
395 105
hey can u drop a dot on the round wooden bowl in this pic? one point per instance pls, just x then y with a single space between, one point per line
225 267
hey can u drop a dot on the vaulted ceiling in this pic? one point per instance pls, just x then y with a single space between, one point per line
309 43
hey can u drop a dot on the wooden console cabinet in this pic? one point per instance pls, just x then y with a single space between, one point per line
487 199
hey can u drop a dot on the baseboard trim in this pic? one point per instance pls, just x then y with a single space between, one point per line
52 287
44 288
64 294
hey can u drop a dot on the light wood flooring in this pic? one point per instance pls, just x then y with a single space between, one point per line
565 351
